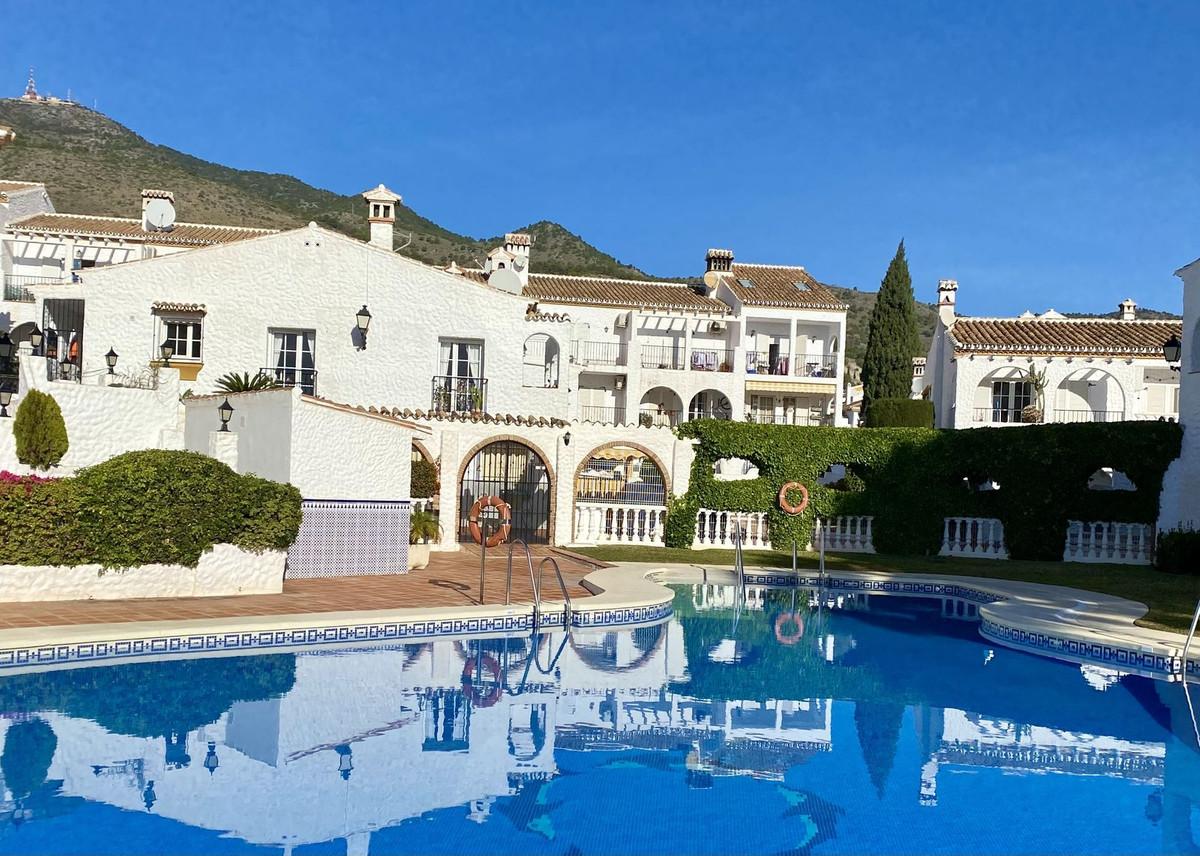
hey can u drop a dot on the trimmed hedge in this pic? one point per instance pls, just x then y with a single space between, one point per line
913 478
901 413
40 431
1178 552
423 482
143 507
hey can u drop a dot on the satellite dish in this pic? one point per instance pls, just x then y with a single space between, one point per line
160 215
519 263
505 279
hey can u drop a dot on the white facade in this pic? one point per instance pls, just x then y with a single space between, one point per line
1179 507
1096 370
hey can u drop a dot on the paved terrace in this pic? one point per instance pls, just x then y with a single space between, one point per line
451 579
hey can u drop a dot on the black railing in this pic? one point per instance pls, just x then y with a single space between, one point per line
657 418
760 362
603 415
997 415
816 365
16 286
306 379
601 353
711 360
662 357
451 394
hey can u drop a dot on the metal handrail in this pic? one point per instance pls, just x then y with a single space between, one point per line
561 585
1187 643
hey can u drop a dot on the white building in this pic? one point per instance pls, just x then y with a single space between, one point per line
1179 508
978 371
555 392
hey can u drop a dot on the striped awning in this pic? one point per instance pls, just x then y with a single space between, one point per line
790 388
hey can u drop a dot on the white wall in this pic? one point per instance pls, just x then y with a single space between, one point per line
25 203
1179 506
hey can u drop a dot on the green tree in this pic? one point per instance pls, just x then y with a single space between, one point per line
893 339
28 750
40 432
878 725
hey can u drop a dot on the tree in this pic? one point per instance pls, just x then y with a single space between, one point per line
39 430
893 339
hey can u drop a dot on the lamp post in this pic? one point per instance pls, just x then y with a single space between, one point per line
363 319
211 762
225 412
1172 351
345 760
166 350
111 359
5 400
6 350
36 337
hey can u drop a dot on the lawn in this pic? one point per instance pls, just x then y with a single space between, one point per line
1170 597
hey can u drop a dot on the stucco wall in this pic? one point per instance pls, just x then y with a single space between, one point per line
1179 506
25 203
223 570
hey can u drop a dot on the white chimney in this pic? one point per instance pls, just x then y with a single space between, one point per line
381 214
518 245
1128 309
947 296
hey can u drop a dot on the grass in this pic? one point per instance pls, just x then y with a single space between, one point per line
1171 598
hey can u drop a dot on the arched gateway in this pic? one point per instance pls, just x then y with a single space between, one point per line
517 474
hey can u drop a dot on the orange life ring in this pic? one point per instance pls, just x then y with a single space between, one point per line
789 507
469 688
501 534
788 638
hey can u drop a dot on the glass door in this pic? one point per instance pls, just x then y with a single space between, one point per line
294 362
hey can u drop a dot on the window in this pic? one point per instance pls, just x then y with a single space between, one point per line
184 334
539 367
1009 398
293 359
460 359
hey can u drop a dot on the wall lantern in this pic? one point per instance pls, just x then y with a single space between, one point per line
211 762
1172 351
345 760
6 349
567 439
36 337
111 359
5 400
166 350
225 411
363 318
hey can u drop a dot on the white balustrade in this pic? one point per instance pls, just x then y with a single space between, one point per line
615 523
1110 542
715 529
844 534
975 537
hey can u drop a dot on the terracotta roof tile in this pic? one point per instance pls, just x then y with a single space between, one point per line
184 234
19 186
633 293
776 285
1093 337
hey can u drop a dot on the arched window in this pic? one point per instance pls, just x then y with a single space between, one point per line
622 475
539 362
1106 478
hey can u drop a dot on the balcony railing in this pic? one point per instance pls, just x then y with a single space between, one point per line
663 357
996 415
801 418
816 365
306 379
794 365
1088 416
458 394
760 362
659 418
711 360
601 353
16 286
602 415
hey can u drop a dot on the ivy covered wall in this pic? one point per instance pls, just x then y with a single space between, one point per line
910 479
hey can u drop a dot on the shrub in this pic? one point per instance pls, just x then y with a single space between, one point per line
39 431
901 413
423 482
245 382
423 527
143 507
1178 551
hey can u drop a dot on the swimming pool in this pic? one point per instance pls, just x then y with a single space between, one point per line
769 724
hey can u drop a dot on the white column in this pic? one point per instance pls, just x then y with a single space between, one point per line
450 461
223 445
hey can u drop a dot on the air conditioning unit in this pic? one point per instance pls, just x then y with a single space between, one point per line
622 321
620 381
716 327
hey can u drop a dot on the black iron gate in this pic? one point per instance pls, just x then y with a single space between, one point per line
62 326
519 476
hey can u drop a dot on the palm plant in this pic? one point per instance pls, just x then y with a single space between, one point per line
423 527
245 382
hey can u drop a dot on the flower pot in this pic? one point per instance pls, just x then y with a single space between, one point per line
418 556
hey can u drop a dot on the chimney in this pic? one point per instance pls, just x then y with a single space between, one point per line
518 245
947 295
153 215
716 264
1128 309
381 214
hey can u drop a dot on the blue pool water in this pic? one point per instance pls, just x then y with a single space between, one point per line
871 726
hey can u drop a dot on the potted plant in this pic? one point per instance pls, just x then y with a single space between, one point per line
476 399
726 367
422 527
1037 380
646 420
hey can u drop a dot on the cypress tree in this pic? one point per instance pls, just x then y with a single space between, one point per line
39 431
893 339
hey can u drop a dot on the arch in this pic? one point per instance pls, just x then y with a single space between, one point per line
20 333
710 404
1107 478
1089 394
523 479
734 469
420 449
660 405
624 444
540 361
1002 395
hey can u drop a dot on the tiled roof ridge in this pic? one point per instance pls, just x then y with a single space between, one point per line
765 265
28 184
484 418
1069 320
16 224
618 280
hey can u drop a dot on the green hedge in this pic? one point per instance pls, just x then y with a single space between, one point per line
1178 552
142 507
913 478
423 482
901 413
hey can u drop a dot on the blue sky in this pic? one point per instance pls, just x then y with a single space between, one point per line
1043 154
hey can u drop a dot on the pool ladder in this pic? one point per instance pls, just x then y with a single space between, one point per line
535 580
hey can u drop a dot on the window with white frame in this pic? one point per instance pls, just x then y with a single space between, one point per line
460 359
293 359
185 335
1009 398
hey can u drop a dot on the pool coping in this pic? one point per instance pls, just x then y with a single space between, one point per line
618 599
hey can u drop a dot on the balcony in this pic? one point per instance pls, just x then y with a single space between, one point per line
817 365
660 418
783 365
602 415
1088 416
601 354
306 379
16 286
997 415
711 360
787 419
663 357
450 394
